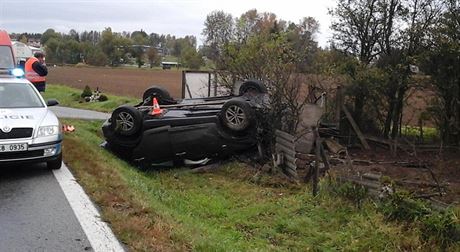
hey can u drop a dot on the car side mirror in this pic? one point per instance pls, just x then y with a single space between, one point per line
52 102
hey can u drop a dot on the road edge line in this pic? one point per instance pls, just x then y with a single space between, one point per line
99 234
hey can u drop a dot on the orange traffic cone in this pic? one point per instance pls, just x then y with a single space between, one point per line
68 128
156 107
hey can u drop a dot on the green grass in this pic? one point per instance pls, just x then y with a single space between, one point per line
70 97
170 58
225 210
429 134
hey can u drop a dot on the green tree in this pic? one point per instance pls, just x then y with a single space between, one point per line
271 59
183 44
153 57
23 39
114 46
48 34
155 39
51 48
302 36
356 31
139 54
218 32
96 57
442 62
191 58
356 28
73 51
107 45
396 32
73 34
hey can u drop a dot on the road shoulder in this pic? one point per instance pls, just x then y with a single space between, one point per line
98 232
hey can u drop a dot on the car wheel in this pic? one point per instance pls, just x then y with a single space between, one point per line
126 120
237 115
162 95
252 87
55 164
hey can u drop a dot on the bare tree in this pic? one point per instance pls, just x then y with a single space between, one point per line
356 27
153 56
420 16
357 30
391 32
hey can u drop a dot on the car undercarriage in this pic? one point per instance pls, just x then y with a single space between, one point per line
190 130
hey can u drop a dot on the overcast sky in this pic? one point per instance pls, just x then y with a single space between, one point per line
176 17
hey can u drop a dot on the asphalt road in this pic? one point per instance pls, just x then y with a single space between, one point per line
42 210
73 113
35 214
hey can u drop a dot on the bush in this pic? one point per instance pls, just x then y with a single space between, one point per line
96 58
81 65
443 228
103 97
352 192
401 207
75 96
86 92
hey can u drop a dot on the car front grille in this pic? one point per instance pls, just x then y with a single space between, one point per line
16 133
21 155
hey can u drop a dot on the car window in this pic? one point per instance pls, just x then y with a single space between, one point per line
6 58
17 95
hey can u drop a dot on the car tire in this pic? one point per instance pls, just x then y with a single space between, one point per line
126 120
55 164
237 115
162 95
252 87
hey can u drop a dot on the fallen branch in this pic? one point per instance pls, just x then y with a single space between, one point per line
426 196
419 183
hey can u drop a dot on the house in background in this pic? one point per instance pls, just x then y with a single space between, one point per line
23 51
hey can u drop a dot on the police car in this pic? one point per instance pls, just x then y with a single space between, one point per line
29 131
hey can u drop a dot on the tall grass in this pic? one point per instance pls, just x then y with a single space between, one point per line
225 210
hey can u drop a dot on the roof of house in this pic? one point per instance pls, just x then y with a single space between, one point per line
169 63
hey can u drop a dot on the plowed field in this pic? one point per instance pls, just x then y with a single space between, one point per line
117 81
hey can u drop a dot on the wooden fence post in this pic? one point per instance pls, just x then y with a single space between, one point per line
317 160
338 105
356 128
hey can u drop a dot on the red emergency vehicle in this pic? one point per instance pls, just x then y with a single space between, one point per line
7 61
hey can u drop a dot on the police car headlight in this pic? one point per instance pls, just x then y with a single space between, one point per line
45 131
17 72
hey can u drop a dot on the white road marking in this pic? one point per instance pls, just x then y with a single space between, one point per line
99 234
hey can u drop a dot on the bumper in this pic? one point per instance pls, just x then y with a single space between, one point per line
36 153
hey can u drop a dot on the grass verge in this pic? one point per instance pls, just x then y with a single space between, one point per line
226 210
430 134
70 97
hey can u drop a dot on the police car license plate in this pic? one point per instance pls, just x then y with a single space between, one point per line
13 147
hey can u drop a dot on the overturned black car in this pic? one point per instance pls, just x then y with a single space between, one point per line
193 131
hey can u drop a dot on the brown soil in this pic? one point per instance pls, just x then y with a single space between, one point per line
117 81
445 168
